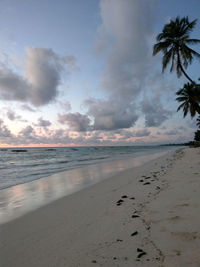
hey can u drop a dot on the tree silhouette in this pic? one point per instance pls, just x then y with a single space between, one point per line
190 97
173 42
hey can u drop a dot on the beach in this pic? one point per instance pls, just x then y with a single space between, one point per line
144 216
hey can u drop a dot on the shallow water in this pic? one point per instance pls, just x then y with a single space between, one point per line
22 198
22 165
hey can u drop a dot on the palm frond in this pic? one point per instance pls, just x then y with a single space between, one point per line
198 121
181 106
194 53
190 26
188 95
192 111
166 59
179 92
181 99
192 41
162 46
185 110
173 61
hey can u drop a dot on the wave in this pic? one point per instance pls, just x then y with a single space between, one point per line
17 168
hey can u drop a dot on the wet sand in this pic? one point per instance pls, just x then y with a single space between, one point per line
145 216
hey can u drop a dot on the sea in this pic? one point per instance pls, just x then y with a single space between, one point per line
22 165
33 177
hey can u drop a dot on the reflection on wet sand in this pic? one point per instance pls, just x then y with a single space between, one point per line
20 199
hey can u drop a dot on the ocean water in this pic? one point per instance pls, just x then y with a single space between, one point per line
33 177
22 165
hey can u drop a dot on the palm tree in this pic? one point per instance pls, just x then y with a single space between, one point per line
173 41
198 121
197 136
190 97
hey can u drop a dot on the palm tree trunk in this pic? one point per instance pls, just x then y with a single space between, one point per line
182 69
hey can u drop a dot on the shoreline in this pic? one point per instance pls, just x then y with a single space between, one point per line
116 222
106 160
23 198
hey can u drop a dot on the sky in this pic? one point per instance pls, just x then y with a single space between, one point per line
81 73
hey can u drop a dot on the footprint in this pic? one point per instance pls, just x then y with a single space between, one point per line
141 253
134 233
119 202
146 183
135 216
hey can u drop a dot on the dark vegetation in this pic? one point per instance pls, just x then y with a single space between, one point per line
174 42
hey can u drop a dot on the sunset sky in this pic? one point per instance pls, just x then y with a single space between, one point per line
82 73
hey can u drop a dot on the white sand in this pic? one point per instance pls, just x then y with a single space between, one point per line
88 228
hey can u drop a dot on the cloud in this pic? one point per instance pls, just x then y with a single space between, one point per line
109 116
32 135
43 123
142 133
182 128
71 62
75 121
65 105
171 132
155 113
4 131
28 108
13 86
129 75
12 116
39 86
27 131
125 31
129 24
127 134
